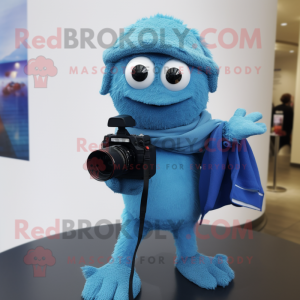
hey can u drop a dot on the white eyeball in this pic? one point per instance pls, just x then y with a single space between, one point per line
175 75
139 72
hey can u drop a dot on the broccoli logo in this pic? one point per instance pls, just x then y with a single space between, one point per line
40 68
39 258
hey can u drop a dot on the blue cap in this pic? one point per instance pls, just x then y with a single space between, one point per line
165 35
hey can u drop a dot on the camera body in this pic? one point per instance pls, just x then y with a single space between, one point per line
135 148
122 155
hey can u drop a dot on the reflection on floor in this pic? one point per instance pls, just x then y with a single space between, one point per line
283 209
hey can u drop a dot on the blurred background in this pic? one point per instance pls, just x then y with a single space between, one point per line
49 123
283 207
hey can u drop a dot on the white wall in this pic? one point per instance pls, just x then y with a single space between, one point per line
295 156
53 184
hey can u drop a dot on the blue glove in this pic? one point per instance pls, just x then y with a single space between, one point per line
241 127
126 186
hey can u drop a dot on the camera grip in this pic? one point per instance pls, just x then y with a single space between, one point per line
125 186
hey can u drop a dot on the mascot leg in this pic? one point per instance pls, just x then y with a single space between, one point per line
112 280
207 272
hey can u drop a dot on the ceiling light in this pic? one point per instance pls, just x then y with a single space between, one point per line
283 24
291 51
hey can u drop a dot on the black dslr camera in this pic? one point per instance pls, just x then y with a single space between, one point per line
122 155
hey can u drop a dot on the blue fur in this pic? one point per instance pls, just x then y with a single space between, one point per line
193 52
207 272
109 282
241 126
173 201
186 106
112 280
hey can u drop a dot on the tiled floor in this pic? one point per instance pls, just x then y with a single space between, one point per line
283 209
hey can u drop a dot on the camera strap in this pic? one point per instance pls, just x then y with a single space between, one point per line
143 209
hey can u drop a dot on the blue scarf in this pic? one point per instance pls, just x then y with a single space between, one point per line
218 186
237 183
186 139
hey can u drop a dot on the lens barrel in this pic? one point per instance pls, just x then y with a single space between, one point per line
109 162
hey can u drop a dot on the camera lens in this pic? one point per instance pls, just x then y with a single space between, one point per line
110 162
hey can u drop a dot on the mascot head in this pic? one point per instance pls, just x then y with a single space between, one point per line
159 72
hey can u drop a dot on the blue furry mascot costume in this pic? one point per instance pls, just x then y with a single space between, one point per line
168 98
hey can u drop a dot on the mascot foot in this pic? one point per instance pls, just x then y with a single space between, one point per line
110 282
206 272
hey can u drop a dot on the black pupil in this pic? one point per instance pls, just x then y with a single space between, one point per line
139 73
173 75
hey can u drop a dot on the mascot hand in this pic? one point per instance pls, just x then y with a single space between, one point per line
126 186
241 126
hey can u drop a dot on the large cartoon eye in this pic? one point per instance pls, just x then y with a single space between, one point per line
175 75
35 258
43 258
139 72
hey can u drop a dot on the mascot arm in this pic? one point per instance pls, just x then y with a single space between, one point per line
126 186
241 126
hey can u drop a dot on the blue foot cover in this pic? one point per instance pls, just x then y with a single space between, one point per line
110 282
206 272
